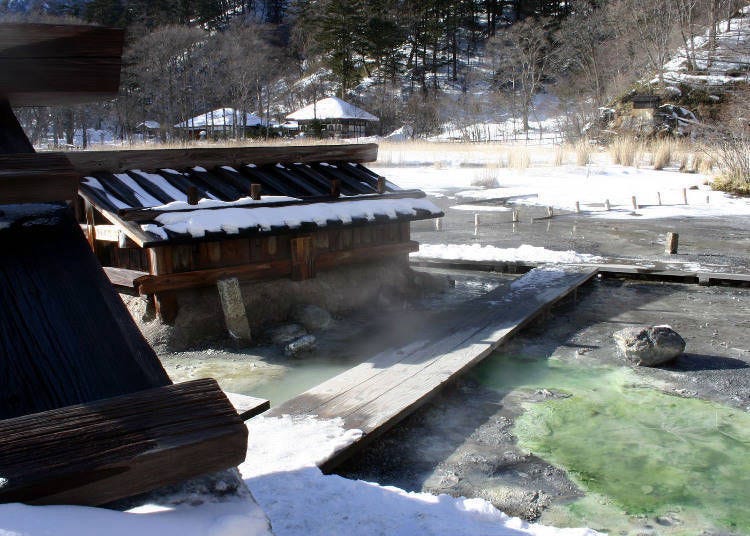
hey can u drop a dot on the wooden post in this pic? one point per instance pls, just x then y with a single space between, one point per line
303 258
165 303
672 243
578 207
515 216
438 224
335 188
255 189
606 205
684 196
91 226
381 185
476 219
658 198
192 195
550 212
708 199
635 203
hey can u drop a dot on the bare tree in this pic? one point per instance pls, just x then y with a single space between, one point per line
522 56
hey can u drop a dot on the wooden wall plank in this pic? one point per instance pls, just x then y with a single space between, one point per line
303 258
36 178
95 453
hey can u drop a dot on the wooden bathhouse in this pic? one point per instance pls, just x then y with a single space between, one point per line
221 123
334 118
87 413
169 220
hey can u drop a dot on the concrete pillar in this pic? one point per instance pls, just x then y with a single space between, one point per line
235 316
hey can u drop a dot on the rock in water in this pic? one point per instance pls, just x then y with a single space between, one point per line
314 318
301 345
649 346
286 333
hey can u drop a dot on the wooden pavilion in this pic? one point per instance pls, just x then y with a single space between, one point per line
334 118
171 220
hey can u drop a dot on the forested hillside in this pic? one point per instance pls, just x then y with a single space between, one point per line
419 63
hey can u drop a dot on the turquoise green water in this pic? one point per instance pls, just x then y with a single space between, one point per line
639 453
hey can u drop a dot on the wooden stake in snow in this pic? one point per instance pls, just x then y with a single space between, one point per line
515 215
578 207
635 203
672 243
476 220
658 198
255 189
708 199
606 205
550 212
438 224
684 196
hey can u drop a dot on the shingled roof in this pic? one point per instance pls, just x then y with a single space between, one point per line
153 205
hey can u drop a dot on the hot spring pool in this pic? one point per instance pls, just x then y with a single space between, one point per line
682 463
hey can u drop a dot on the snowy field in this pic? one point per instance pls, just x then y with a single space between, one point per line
590 186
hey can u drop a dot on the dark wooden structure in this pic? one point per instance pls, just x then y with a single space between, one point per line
645 102
318 207
87 413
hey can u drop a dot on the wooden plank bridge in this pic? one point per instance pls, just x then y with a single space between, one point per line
377 394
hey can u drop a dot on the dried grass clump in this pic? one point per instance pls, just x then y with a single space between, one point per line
559 156
583 153
625 151
519 158
732 155
662 154
487 178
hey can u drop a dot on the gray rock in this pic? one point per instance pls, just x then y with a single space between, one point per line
314 318
286 333
650 345
301 345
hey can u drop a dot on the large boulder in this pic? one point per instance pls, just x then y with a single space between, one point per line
314 318
649 345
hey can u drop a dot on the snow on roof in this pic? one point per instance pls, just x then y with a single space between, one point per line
331 108
149 124
221 117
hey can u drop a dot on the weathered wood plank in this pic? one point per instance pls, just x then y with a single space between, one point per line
95 453
248 406
49 64
65 335
377 394
36 178
122 277
303 258
150 284
116 161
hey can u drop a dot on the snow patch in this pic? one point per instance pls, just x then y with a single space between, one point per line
524 253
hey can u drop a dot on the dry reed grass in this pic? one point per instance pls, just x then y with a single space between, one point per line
583 152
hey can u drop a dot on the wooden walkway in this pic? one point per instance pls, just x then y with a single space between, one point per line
377 394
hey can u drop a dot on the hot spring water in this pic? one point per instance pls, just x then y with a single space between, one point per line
682 463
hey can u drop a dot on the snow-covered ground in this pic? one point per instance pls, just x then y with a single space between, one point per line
296 497
727 64
591 186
